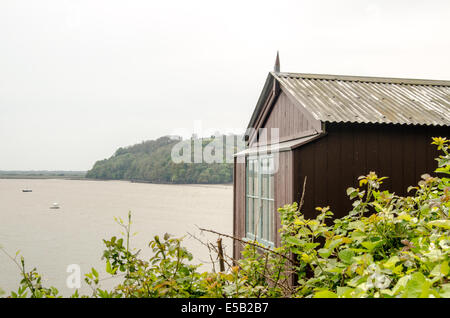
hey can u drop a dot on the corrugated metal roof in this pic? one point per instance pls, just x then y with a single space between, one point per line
331 98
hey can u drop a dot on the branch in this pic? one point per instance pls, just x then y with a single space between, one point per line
250 243
220 254
300 204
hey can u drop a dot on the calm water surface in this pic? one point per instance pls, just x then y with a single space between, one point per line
52 239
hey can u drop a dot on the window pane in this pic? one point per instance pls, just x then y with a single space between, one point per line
250 215
271 165
247 177
250 177
263 178
271 221
256 218
264 184
265 229
255 179
271 186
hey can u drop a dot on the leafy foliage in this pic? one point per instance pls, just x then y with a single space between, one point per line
31 283
387 246
150 161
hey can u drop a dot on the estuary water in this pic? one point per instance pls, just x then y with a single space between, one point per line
53 239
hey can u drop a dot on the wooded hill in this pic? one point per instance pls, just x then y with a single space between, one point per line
150 161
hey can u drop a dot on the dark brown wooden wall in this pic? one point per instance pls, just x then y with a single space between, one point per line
334 162
288 118
284 182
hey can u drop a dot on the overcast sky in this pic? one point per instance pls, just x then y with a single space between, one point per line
78 79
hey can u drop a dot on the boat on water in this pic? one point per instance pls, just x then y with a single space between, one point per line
27 190
55 206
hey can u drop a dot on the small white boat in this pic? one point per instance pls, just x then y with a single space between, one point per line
55 206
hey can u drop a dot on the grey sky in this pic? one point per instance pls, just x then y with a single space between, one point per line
78 79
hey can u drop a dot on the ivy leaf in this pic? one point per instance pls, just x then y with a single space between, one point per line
371 245
294 240
352 193
109 268
440 223
309 246
325 294
440 270
357 225
335 243
443 170
344 291
401 284
415 286
444 268
324 252
346 256
390 263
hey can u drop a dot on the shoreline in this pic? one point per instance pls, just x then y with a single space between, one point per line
108 180
31 177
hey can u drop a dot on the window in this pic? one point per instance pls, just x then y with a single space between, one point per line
259 216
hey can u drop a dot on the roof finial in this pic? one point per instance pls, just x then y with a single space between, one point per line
276 68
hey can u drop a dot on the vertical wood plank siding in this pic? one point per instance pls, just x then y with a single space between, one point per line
287 117
334 162
283 188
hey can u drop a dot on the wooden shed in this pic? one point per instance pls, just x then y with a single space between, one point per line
332 129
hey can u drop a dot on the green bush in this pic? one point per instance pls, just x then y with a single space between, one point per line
387 246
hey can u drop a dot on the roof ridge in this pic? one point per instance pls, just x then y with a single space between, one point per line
369 79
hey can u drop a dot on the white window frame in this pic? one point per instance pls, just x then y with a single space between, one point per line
261 231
